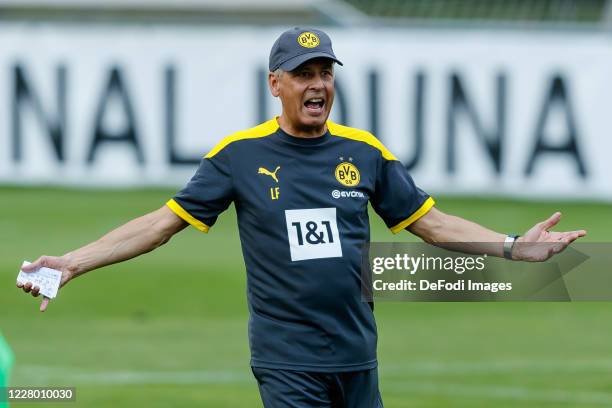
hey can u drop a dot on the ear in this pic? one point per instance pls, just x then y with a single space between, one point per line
274 84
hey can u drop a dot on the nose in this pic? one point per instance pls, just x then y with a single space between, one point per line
317 82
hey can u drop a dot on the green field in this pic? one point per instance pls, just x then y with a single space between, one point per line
169 329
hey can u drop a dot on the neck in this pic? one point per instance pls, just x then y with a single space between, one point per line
298 131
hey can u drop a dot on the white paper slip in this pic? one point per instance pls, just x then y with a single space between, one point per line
47 279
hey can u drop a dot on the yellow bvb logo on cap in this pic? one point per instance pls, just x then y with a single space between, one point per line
308 40
347 174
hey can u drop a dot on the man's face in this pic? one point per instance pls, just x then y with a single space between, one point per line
306 93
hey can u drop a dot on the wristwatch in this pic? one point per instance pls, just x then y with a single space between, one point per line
509 244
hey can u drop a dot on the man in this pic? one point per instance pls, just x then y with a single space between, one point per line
312 339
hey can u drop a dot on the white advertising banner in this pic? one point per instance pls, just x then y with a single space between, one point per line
486 112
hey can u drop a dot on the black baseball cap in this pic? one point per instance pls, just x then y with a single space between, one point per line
298 45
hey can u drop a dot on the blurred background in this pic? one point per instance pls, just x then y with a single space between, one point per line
500 109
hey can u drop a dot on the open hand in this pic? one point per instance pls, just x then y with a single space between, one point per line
539 243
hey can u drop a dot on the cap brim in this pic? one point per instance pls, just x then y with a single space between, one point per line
295 62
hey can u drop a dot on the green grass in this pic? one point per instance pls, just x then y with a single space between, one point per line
169 328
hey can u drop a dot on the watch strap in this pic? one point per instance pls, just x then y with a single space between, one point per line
509 244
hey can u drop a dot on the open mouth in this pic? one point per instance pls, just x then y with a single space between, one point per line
315 105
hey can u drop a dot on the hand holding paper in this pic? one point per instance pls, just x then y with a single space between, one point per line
47 279
46 275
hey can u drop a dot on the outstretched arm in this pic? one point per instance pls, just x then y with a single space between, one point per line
458 234
139 236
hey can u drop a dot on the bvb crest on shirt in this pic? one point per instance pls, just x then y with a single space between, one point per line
347 174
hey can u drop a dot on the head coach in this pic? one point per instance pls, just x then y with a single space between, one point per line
301 186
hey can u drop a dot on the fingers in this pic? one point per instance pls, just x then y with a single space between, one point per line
28 288
571 236
551 221
565 240
567 237
36 265
44 304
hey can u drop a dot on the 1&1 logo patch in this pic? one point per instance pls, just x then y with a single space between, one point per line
313 233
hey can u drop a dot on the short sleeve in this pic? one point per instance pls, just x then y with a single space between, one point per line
397 200
208 193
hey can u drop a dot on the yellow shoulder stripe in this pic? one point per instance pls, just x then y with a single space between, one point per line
265 129
415 216
180 211
359 135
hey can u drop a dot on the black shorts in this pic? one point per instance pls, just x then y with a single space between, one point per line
299 389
